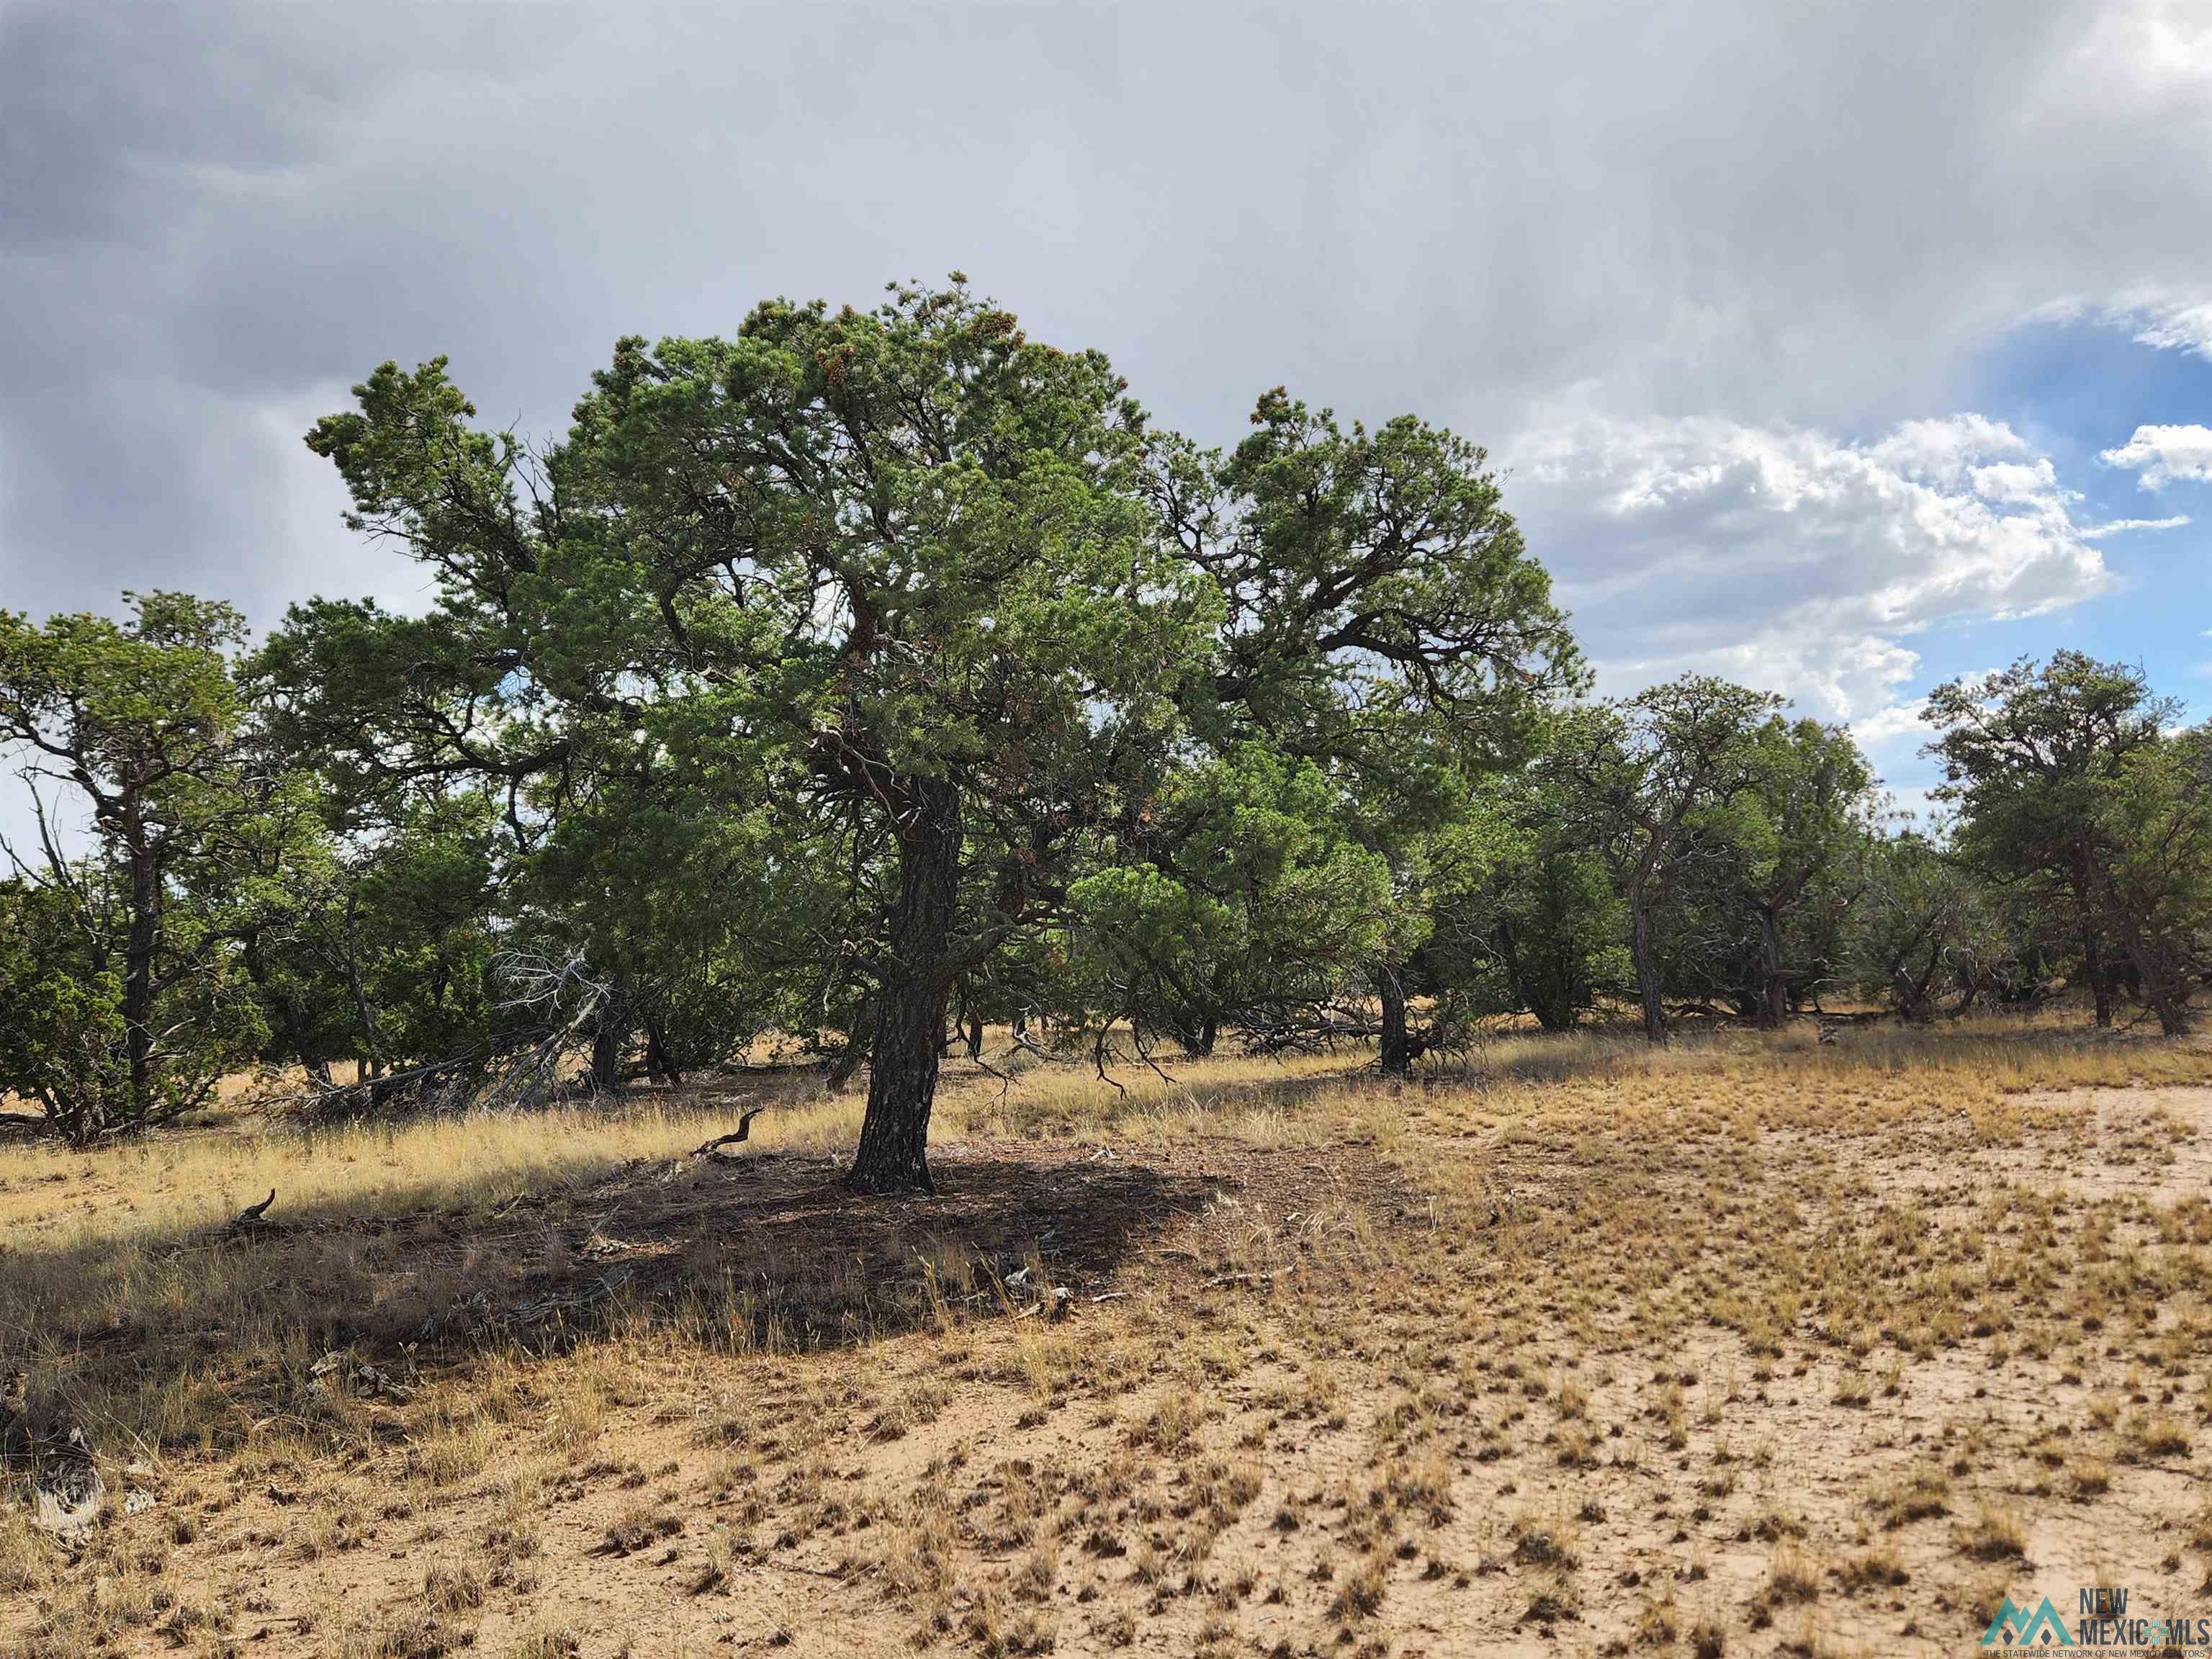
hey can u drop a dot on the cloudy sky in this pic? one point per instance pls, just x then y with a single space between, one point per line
1838 348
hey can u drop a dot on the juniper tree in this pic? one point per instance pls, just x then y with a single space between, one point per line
2069 790
893 563
121 1000
1644 779
1805 814
1253 908
925 592
1526 915
1383 619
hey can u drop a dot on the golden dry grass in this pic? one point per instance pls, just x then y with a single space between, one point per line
1752 1345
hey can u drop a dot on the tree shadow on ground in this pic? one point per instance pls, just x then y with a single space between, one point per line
772 1250
760 1252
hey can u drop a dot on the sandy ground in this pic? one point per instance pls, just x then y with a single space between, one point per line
1585 1375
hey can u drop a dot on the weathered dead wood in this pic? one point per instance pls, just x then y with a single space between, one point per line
254 1220
742 1132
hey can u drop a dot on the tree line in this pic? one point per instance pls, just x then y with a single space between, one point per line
870 677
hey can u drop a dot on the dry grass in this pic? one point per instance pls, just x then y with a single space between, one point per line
1748 1345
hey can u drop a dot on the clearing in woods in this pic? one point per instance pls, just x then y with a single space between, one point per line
1749 1345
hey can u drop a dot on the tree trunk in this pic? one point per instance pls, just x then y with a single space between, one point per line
2170 1004
609 1032
974 1037
364 1024
1509 953
1397 1045
1647 968
910 1002
2163 986
842 1070
1914 1006
138 983
656 1056
2099 978
1774 987
606 1056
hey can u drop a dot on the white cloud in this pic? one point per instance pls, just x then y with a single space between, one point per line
1947 450
217 219
1887 725
2179 327
1792 559
2115 526
249 202
2015 483
2167 322
2162 453
2165 319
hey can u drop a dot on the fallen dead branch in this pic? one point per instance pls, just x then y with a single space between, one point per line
742 1132
254 1218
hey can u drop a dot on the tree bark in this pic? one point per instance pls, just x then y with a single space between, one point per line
2100 977
364 1025
1774 987
910 1002
656 1056
1647 968
1509 953
606 1055
2170 1004
138 950
2163 985
842 1069
1912 1006
1397 1045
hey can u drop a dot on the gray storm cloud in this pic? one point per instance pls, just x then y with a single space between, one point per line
1730 250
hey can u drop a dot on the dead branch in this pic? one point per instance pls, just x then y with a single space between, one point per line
254 1218
742 1132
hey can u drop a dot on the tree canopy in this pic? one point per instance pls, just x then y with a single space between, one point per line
908 581
867 675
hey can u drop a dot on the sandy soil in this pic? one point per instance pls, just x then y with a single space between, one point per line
1484 1377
